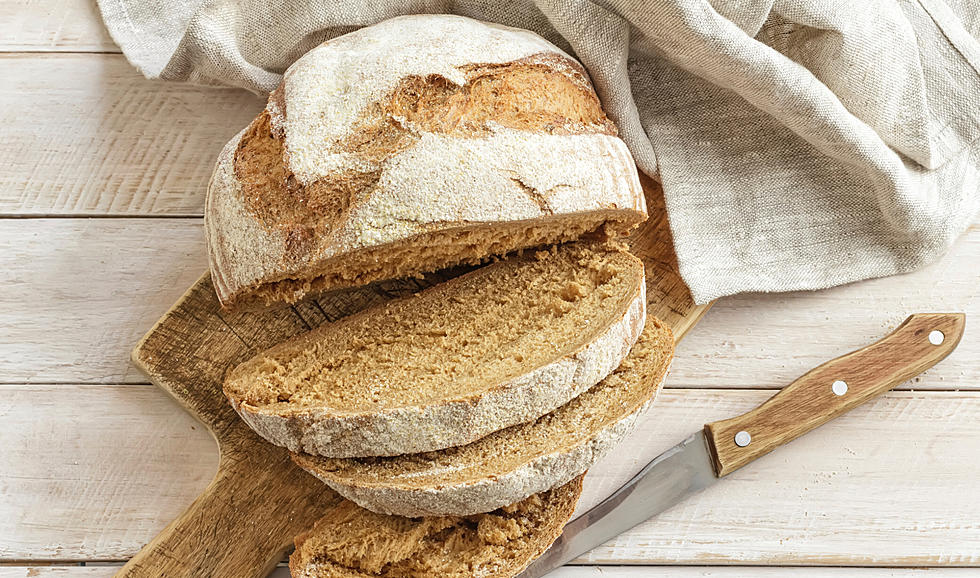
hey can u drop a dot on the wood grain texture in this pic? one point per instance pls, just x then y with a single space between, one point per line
737 572
245 520
90 472
891 483
94 286
229 530
57 571
96 138
99 470
78 294
766 340
812 399
827 498
53 26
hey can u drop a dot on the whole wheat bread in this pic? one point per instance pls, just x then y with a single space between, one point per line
409 146
511 464
501 345
351 542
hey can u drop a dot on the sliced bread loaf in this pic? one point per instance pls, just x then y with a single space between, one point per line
511 464
501 345
352 542
409 146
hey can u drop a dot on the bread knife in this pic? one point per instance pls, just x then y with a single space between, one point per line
722 447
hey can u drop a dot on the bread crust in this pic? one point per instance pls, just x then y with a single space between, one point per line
427 178
432 427
462 499
312 560
538 474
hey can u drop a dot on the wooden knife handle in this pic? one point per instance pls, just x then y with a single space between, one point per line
833 389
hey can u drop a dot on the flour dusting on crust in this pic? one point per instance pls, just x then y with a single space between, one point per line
450 179
328 88
481 139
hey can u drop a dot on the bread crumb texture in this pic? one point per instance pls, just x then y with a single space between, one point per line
450 342
352 542
627 389
512 463
389 151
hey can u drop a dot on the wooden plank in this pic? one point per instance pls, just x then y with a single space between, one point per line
752 572
95 286
78 294
91 472
761 340
53 26
96 138
57 571
107 571
737 572
892 483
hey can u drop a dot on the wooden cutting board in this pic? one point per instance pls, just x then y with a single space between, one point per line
246 519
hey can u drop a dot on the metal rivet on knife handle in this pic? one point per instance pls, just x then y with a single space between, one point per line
743 439
724 446
917 344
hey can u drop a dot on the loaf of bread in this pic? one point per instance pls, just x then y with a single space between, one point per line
409 146
350 542
509 465
501 345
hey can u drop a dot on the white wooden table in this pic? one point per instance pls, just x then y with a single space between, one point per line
102 179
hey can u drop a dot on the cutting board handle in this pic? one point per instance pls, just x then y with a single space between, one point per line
833 389
239 525
187 547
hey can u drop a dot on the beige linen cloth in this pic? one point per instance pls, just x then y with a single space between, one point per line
801 144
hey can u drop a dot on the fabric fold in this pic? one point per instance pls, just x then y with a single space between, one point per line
800 144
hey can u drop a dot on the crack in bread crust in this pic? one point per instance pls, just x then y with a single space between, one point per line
386 135
543 93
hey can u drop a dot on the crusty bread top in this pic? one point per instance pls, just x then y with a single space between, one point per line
369 63
352 542
411 127
619 396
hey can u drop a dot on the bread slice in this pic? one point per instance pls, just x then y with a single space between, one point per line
511 464
409 146
352 542
501 345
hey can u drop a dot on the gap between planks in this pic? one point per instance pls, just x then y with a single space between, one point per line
141 147
75 26
79 293
93 472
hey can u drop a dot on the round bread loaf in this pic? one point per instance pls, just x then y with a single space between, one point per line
415 144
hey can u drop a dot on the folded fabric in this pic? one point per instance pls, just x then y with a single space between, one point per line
801 144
